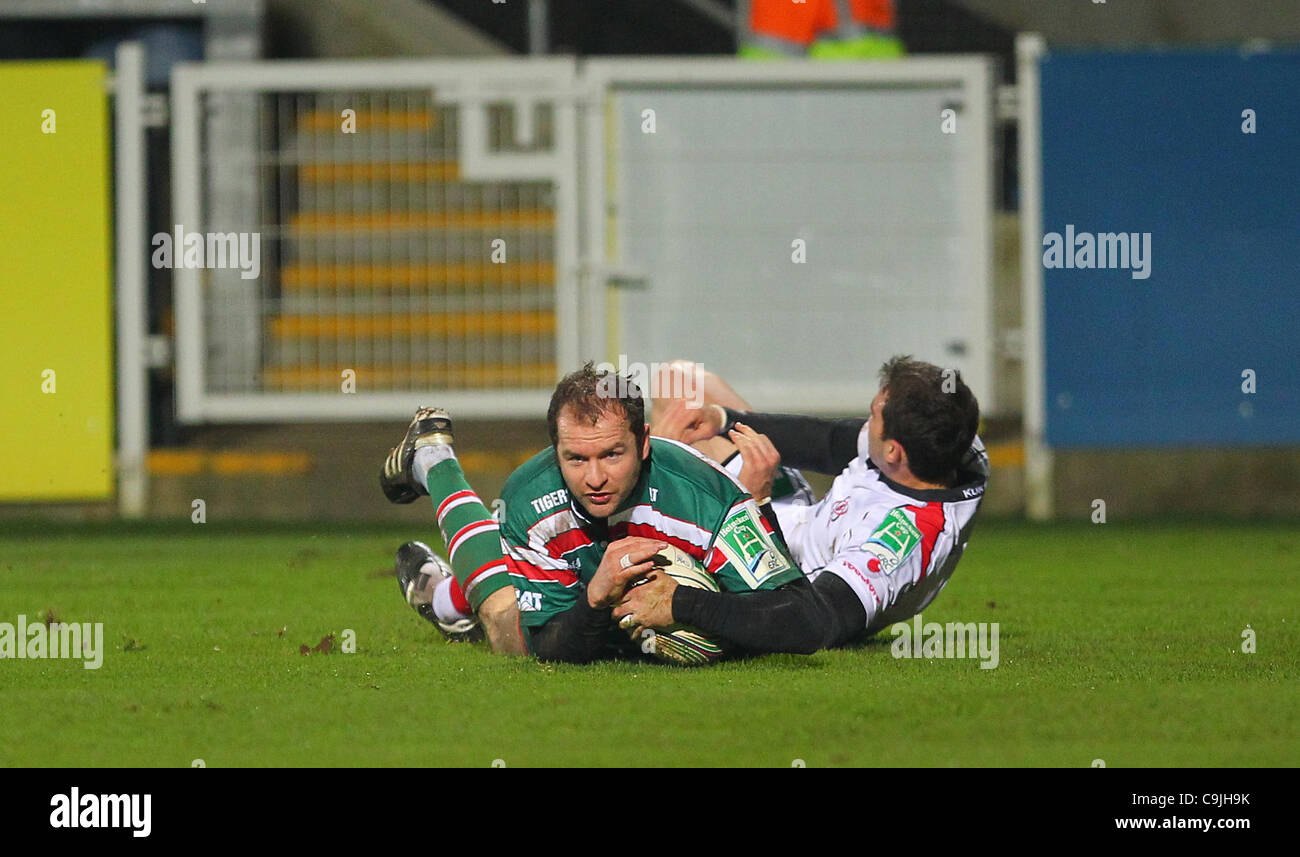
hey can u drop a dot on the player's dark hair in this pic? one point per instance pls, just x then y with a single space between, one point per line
589 393
932 413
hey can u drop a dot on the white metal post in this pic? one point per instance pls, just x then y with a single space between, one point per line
1030 48
131 293
977 175
567 322
593 282
186 201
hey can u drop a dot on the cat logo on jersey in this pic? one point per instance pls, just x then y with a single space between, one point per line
893 540
750 549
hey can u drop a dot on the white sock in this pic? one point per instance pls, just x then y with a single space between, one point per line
427 457
442 607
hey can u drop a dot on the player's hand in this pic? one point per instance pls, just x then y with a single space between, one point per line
761 461
613 576
686 421
647 605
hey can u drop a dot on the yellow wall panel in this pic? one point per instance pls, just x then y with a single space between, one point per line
55 283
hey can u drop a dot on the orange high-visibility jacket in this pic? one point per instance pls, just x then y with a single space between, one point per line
801 23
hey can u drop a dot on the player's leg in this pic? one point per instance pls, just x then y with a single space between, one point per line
479 582
482 580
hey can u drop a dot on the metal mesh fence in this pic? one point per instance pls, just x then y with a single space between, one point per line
377 255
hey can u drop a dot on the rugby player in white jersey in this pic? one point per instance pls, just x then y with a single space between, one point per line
878 547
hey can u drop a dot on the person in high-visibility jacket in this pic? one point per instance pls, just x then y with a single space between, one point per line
821 29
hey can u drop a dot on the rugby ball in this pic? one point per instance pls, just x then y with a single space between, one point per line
680 644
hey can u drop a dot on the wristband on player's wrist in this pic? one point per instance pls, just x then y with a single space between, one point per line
729 419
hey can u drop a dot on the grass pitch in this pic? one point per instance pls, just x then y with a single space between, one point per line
1120 642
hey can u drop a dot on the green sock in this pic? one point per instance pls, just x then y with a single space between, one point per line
472 537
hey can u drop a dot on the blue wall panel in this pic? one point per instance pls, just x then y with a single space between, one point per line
1153 142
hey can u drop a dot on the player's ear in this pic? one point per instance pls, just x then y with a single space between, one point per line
894 453
645 443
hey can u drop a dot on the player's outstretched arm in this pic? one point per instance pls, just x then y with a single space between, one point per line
799 618
766 604
805 443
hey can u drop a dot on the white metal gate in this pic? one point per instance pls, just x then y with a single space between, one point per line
356 238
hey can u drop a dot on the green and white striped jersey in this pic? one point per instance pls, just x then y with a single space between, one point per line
554 548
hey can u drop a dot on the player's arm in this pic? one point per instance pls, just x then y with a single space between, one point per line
860 582
578 633
799 618
768 605
805 443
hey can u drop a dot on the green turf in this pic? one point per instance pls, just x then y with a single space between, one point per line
1119 642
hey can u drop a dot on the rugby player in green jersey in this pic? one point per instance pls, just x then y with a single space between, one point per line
582 521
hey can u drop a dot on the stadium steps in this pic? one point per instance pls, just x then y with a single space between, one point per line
367 278
409 324
384 263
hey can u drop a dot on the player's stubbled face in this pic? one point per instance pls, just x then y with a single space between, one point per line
600 463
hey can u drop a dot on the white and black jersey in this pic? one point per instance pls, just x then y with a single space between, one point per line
875 551
895 546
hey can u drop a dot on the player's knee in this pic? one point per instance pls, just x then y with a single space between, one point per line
499 606
499 616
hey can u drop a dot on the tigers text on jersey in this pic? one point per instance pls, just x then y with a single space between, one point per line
896 546
553 547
